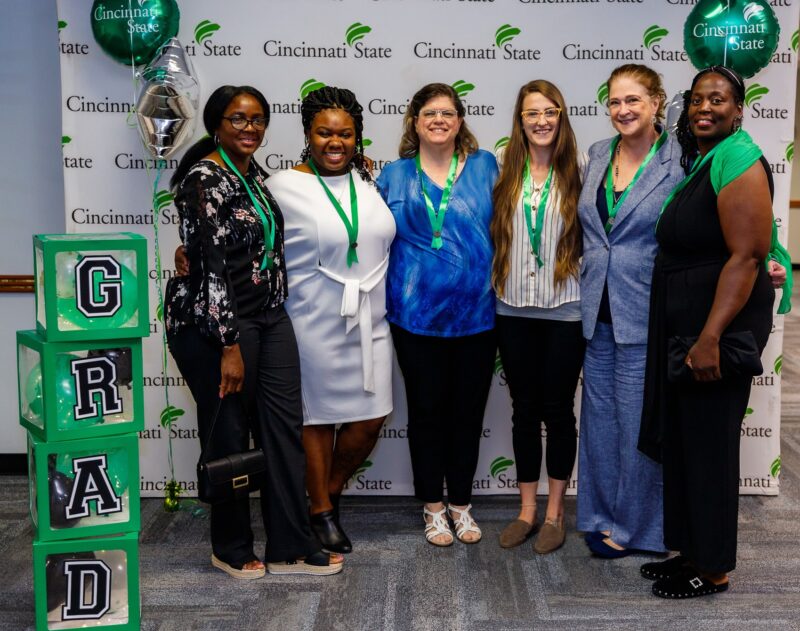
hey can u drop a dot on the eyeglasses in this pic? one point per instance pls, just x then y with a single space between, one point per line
447 115
630 101
550 114
240 123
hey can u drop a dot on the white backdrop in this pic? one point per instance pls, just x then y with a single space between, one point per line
279 45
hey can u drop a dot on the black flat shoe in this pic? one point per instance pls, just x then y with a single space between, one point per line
659 570
686 585
329 533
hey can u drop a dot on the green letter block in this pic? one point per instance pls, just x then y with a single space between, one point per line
70 390
87 583
84 488
91 286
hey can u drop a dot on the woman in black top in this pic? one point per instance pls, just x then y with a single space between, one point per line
232 340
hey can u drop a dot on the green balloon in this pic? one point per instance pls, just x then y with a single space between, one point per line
64 387
67 307
739 34
132 31
116 461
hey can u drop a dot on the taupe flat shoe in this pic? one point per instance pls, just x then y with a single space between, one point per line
551 537
516 533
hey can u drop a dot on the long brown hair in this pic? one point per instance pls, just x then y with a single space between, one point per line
466 143
508 189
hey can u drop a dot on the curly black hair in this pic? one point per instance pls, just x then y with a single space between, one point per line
683 131
331 98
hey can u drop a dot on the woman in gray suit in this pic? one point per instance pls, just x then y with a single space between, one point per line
628 179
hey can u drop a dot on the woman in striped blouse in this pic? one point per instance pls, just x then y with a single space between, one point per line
537 241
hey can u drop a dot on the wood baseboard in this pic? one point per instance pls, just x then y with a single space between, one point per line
16 283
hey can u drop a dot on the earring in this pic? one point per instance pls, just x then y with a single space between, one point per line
737 124
216 140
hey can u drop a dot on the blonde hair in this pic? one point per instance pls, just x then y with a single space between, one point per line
466 143
508 189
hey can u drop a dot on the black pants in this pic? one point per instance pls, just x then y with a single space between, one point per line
270 406
541 361
701 471
447 383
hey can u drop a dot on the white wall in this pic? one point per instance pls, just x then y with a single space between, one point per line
31 180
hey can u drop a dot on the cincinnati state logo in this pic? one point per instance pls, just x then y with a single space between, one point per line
502 40
353 46
204 44
778 365
785 57
651 40
170 415
309 86
497 471
74 162
602 94
70 48
353 36
753 94
65 140
356 32
775 467
499 146
499 372
360 482
462 88
795 40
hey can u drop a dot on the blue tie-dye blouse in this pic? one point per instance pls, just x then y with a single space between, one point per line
444 292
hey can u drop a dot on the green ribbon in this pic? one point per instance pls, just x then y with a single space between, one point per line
351 227
535 234
437 217
613 208
267 224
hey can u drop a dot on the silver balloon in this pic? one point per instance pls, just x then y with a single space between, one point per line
673 113
168 100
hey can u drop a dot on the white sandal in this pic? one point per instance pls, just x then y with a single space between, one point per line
464 523
437 526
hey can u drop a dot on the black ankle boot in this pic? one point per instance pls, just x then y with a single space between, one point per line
329 533
335 503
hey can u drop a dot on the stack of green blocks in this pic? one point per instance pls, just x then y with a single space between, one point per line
81 400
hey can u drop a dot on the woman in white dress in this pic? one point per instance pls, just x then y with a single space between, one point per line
337 235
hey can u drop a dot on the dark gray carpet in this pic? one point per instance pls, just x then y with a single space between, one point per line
395 580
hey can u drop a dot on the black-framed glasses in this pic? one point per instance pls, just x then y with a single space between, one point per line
240 123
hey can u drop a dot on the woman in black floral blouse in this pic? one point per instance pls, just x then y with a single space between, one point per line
232 340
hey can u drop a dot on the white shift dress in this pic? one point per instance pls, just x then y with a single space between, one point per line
338 313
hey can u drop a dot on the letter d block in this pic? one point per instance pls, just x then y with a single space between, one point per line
91 286
84 488
87 583
70 390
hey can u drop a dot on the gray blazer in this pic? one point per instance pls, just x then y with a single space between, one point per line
623 258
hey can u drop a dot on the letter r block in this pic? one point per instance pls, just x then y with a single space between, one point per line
87 583
80 389
84 488
91 286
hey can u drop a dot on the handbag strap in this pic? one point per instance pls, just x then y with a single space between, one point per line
210 433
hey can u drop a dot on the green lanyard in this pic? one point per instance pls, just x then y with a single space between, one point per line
267 224
614 207
698 164
352 228
535 234
437 218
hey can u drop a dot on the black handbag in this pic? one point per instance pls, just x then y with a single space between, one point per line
738 355
230 477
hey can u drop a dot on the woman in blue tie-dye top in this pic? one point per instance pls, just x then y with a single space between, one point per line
440 301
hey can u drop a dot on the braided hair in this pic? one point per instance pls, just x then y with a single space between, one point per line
683 131
331 98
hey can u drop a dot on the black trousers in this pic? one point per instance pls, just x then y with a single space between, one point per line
701 471
542 360
447 383
269 406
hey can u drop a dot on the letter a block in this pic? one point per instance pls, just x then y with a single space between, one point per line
84 488
91 286
70 390
87 583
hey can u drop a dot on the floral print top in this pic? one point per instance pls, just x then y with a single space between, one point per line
223 237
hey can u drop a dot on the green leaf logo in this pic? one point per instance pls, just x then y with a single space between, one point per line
751 10
795 40
790 152
748 412
775 467
499 465
501 143
754 93
160 312
778 364
363 467
204 30
602 94
309 86
462 88
170 414
65 140
63 24
162 199
505 34
366 142
654 34
355 32
498 365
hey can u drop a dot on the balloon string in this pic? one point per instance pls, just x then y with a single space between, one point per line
129 121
